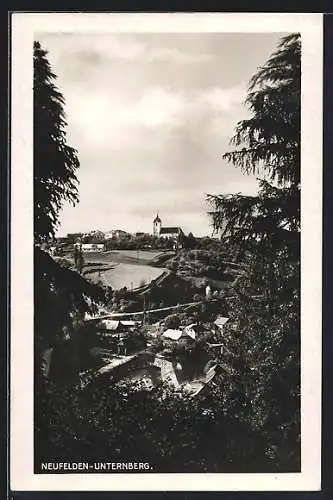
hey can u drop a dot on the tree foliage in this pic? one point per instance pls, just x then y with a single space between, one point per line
248 419
271 137
264 230
60 293
55 162
131 424
267 143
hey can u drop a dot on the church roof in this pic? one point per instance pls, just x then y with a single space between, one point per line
157 219
170 230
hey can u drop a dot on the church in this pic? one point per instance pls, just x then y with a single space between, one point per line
165 232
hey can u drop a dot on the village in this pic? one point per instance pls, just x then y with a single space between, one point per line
167 254
97 241
184 358
167 331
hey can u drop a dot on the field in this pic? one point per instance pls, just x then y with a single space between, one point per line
145 255
129 268
140 257
129 275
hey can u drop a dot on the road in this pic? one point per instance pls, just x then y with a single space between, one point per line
137 313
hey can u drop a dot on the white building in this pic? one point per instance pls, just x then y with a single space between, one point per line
165 232
108 235
92 247
220 322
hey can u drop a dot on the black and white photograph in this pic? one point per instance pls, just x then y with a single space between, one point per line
166 279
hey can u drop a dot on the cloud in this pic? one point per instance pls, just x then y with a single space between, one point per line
157 107
104 49
223 99
108 120
150 116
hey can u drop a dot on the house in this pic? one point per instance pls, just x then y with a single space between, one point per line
191 330
176 335
168 374
172 334
119 234
120 336
94 236
92 247
116 326
219 323
108 235
197 385
114 365
171 374
111 325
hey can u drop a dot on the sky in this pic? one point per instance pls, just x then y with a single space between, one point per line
150 116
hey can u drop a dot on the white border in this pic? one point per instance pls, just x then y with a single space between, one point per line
21 438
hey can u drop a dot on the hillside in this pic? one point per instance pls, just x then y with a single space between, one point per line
202 265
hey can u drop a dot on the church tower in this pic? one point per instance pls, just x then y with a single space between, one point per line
157 224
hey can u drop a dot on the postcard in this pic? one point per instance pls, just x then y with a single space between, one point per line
166 208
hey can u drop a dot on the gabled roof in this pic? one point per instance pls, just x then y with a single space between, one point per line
191 334
120 360
92 245
168 374
170 230
161 362
129 322
189 330
192 326
220 321
172 334
110 324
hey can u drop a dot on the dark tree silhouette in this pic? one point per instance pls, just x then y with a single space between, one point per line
55 162
248 420
268 143
58 293
265 230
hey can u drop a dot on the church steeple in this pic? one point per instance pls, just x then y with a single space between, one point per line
157 219
157 223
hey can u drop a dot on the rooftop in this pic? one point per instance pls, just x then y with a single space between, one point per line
170 230
220 321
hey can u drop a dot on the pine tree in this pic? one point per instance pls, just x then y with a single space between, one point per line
59 292
268 143
265 231
55 162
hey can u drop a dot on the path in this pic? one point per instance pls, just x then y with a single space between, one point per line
137 313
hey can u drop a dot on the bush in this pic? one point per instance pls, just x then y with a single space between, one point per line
172 321
173 265
131 306
63 262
